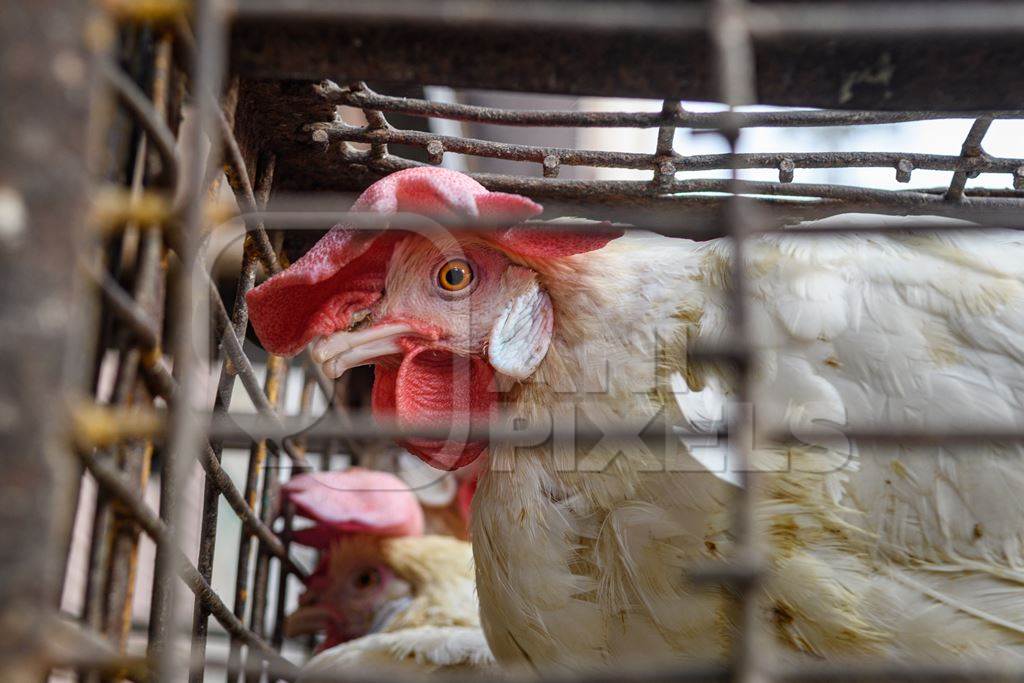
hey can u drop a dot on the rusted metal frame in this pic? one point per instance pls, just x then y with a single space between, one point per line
186 431
257 466
970 153
214 486
366 98
702 162
733 57
112 481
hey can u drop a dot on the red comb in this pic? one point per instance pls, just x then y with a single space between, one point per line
344 272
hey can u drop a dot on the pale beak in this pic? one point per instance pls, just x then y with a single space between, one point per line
306 620
343 350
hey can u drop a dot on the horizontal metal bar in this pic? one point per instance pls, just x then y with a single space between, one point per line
571 14
604 191
510 429
700 162
884 20
111 482
486 148
901 671
768 20
317 212
367 98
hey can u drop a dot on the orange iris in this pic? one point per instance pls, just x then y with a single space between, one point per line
455 275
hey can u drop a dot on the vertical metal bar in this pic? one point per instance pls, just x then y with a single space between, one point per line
222 403
258 464
665 168
261 577
309 386
971 149
734 60
190 336
288 517
135 459
43 115
376 121
102 542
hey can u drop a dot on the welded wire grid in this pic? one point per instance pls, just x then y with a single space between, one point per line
164 209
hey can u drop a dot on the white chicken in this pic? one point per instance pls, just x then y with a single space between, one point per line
581 551
385 597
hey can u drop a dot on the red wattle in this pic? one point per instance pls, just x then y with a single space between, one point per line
436 388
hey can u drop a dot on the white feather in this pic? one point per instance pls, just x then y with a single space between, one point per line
875 549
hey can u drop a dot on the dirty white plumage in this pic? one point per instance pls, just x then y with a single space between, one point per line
912 552
435 629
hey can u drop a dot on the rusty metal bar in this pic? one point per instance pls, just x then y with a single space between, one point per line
970 153
190 335
366 98
257 467
638 160
134 459
261 576
626 190
213 488
211 492
288 518
107 575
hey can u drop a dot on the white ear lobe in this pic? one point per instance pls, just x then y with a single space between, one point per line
522 333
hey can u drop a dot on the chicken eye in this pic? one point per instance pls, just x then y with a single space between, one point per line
366 579
455 275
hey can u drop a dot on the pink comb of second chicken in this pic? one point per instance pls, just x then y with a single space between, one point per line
355 501
380 582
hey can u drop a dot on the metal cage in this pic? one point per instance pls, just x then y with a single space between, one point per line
103 243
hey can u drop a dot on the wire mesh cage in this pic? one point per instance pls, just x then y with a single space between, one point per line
115 386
